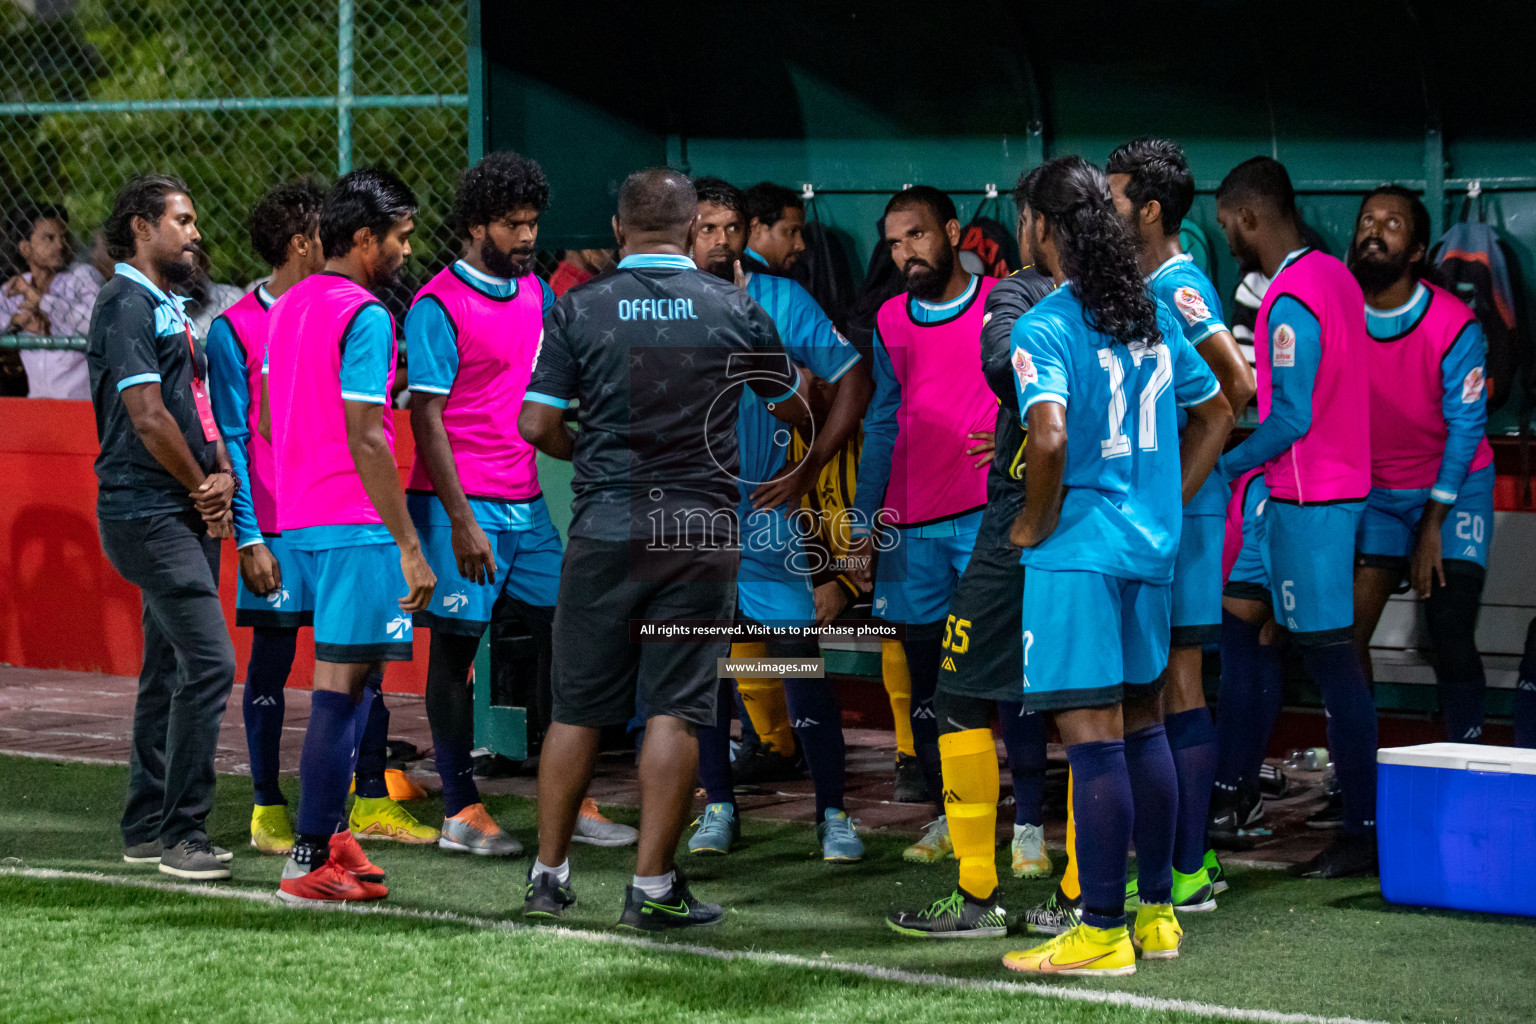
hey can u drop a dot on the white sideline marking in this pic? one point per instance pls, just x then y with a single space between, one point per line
38 755
872 971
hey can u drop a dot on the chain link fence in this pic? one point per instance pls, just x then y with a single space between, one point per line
234 96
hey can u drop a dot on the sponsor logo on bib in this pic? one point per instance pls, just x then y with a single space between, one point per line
1283 346
1472 386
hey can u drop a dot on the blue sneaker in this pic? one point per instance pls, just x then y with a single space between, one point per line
718 829
840 842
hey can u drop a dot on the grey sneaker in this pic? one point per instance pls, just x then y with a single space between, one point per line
594 828
148 852
194 859
472 830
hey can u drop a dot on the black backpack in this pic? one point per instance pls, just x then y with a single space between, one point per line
1474 263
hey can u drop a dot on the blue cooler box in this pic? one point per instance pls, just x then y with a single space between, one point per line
1456 824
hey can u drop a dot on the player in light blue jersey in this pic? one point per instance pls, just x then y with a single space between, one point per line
774 582
1101 370
1153 191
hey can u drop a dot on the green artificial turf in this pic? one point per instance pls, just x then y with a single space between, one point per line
87 951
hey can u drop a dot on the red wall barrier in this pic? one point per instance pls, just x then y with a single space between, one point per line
62 605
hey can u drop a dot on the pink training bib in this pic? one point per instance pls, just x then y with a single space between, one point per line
497 339
1331 462
944 397
248 319
317 482
1408 431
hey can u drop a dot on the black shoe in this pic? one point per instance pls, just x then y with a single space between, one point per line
677 909
1331 814
911 788
1235 817
1273 782
546 898
1348 856
957 916
762 764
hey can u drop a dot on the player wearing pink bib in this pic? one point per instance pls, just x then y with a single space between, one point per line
271 596
1431 467
472 335
331 359
1314 441
918 473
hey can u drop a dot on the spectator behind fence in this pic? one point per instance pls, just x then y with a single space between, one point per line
164 496
48 299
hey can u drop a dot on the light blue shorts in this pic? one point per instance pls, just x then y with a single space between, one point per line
527 570
1088 637
289 606
915 579
1197 582
357 603
1390 524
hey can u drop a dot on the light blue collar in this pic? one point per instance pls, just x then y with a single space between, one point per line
132 273
650 260
754 254
1292 257
1182 257
500 287
263 296
954 303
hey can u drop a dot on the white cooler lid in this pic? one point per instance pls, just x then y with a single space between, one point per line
1473 757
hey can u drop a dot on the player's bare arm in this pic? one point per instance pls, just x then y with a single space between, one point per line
375 464
471 547
1047 423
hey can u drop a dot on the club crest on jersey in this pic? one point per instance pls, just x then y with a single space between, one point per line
1191 304
1024 368
1283 346
1472 386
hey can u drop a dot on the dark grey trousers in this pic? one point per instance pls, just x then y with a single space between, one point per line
189 667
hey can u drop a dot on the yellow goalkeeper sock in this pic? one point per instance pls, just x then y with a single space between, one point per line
763 697
1070 886
969 762
898 687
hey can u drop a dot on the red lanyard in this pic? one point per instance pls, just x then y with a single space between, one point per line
199 392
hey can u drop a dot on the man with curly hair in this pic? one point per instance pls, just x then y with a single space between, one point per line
1101 370
472 334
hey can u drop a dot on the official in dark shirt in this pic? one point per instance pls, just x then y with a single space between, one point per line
657 354
163 503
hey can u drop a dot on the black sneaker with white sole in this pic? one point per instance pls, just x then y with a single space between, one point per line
957 916
1235 818
193 859
679 908
545 898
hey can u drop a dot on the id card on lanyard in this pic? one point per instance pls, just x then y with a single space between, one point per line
200 392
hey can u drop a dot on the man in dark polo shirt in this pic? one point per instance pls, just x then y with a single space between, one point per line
658 354
162 505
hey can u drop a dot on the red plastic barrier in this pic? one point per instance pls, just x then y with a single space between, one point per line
62 605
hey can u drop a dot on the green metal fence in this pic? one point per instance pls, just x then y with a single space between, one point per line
233 96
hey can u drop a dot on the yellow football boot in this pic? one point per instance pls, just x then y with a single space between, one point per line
1087 951
382 818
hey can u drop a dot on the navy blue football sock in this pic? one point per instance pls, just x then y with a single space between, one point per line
1192 739
715 751
1351 728
923 657
1525 692
325 767
817 719
372 738
1155 794
1024 739
1249 701
1103 808
263 705
1451 616
451 716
